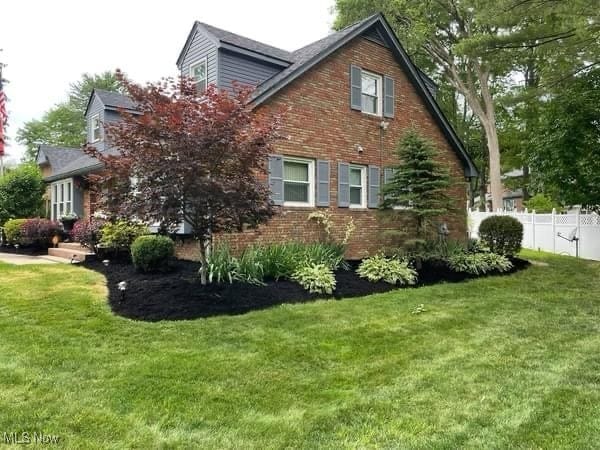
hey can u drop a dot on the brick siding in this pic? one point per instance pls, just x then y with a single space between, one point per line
321 125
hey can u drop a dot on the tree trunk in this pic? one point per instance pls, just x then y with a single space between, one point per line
494 174
204 262
526 195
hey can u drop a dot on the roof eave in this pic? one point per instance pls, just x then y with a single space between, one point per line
75 172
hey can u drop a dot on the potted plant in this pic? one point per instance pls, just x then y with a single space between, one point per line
68 220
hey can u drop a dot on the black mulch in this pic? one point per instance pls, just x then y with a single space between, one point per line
178 295
29 251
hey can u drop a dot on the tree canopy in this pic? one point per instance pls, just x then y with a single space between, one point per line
194 159
64 124
21 193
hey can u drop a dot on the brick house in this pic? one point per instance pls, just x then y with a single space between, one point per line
350 96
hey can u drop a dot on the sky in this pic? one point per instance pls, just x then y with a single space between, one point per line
48 44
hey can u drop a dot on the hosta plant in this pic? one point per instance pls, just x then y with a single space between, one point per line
391 270
315 278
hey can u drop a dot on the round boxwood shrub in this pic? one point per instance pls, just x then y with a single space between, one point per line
502 234
150 253
12 231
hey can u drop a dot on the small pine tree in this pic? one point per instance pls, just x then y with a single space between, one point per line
419 183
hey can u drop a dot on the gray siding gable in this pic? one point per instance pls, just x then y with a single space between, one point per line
200 46
95 107
244 70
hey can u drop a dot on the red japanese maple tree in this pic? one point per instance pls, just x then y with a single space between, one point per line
181 156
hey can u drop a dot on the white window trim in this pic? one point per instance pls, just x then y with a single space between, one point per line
197 63
364 187
54 200
311 183
93 138
379 112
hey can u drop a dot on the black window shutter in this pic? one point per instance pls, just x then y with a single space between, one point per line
388 96
355 87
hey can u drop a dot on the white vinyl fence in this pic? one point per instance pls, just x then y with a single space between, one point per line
552 232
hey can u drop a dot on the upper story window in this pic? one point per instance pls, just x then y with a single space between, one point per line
95 132
371 93
298 182
199 73
358 186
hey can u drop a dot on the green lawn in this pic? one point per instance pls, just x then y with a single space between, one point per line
501 362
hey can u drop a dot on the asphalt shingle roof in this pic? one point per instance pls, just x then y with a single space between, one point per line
59 157
305 54
114 99
249 44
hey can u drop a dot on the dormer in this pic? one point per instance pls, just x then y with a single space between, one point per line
103 107
215 56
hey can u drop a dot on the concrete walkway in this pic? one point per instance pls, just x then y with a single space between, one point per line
19 260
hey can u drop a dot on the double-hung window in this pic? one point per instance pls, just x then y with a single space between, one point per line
61 198
199 73
95 132
298 182
358 186
371 93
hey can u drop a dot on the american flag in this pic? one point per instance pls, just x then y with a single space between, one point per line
3 114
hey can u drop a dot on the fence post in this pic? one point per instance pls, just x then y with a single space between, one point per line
533 228
578 234
553 230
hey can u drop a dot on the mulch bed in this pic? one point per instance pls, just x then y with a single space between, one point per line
28 251
178 295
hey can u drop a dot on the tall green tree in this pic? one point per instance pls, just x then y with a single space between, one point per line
419 184
564 153
64 124
477 45
21 193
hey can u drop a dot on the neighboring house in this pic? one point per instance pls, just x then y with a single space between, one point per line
350 96
64 169
512 199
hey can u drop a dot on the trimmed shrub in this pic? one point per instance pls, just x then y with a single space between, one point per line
479 263
87 232
39 232
12 231
315 278
502 234
118 236
391 270
150 253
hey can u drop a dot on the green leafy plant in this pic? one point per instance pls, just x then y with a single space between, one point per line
21 192
151 253
391 270
12 231
118 236
479 263
315 278
542 204
502 234
221 265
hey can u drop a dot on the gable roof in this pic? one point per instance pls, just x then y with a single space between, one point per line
307 57
111 100
223 37
56 157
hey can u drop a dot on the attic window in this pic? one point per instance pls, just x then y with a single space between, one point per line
95 133
198 72
371 93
